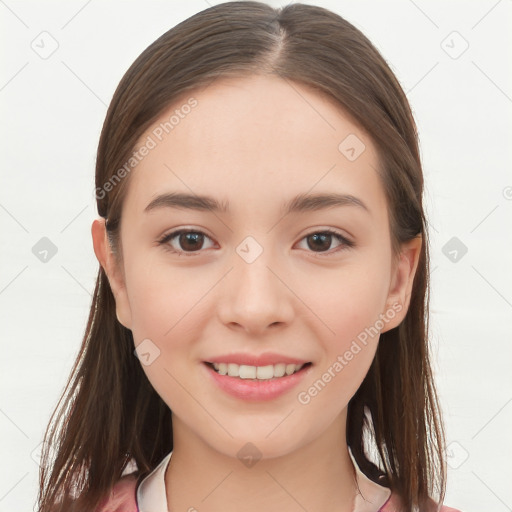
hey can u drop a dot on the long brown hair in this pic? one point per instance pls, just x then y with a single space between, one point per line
109 414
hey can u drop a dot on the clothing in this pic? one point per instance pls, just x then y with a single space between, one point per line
150 494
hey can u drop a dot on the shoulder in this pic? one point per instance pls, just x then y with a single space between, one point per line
122 497
393 505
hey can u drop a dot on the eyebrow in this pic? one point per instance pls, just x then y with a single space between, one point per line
298 204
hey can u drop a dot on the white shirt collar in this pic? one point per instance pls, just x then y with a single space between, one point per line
152 497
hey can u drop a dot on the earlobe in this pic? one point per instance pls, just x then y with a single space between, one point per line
107 260
399 295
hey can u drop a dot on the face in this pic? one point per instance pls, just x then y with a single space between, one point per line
264 279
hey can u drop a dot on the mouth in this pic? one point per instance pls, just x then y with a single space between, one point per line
270 372
256 383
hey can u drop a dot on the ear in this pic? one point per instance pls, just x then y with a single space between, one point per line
115 275
399 295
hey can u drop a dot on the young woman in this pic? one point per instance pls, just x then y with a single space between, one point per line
258 333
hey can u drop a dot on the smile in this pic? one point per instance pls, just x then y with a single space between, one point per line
256 383
267 372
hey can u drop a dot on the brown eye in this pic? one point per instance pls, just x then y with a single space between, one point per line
321 241
190 241
184 241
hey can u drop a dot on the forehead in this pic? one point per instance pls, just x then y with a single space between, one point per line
255 139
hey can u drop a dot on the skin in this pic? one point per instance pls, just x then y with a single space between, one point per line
257 142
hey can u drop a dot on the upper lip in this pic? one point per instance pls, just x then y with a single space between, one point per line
266 359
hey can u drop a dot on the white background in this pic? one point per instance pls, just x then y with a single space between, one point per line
52 110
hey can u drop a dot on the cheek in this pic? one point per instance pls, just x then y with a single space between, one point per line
349 307
162 300
336 383
348 300
348 348
167 310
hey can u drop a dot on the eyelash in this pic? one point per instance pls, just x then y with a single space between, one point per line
168 237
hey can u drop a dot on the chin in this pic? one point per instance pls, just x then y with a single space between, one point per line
257 446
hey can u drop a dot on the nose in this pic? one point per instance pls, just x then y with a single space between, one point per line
255 295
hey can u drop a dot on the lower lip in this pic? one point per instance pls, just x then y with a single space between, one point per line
257 390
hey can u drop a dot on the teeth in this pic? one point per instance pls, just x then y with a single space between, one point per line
279 370
262 372
244 371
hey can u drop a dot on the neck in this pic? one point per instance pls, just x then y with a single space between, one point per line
318 476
